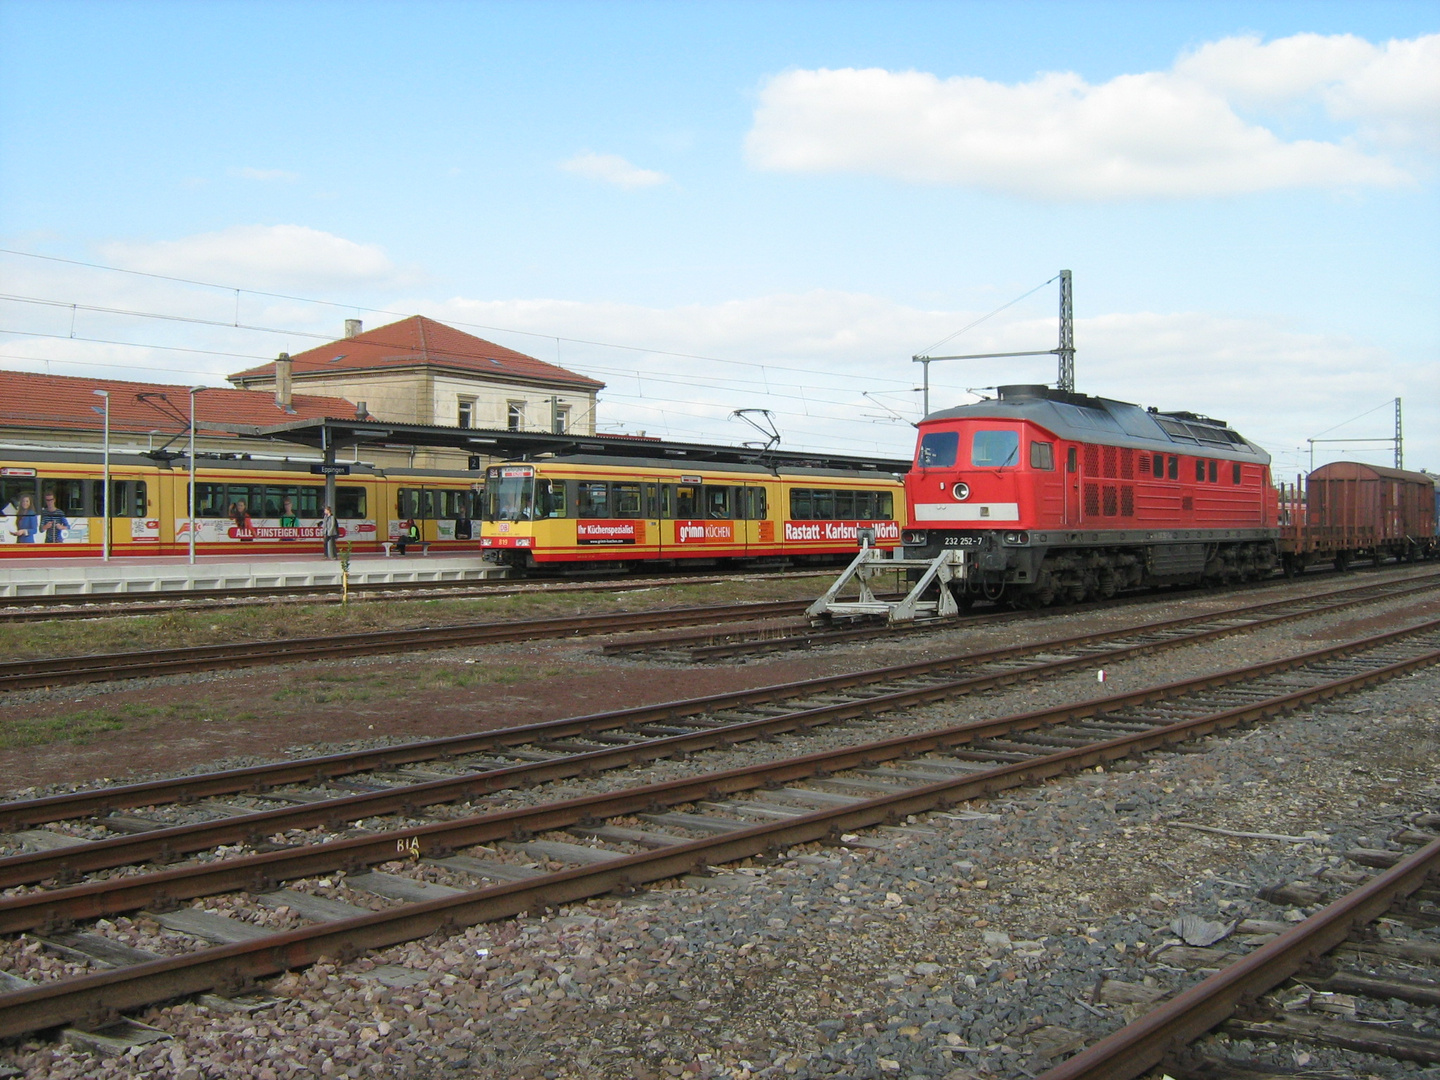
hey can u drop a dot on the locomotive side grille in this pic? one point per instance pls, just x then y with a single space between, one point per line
1112 500
1187 502
1092 460
1127 464
1144 464
1110 454
1127 500
1092 500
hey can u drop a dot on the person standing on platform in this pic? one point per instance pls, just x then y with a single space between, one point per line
329 531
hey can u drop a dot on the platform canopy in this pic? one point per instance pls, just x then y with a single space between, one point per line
331 434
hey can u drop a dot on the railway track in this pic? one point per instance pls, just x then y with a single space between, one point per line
622 838
106 667
16 609
480 764
1333 956
710 646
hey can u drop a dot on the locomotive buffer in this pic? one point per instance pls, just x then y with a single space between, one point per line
948 566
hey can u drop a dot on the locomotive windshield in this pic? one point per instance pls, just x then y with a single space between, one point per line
938 449
995 449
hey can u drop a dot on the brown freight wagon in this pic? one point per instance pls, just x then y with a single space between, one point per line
1351 510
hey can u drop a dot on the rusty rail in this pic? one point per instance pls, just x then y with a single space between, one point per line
1140 1046
95 996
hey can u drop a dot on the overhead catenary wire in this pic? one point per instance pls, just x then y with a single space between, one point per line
489 328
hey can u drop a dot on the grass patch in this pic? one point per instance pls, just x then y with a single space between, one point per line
76 727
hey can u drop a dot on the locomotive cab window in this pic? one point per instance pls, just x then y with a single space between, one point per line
1159 466
1199 470
1214 471
1234 472
1042 456
995 449
939 449
1174 472
1072 460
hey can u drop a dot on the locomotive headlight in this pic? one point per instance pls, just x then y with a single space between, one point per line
960 491
914 538
1017 538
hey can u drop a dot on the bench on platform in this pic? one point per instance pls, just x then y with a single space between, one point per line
423 545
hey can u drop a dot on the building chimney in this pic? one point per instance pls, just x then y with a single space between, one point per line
282 380
361 412
353 327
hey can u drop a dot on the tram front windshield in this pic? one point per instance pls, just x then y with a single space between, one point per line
509 498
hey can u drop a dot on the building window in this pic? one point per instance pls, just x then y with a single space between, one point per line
465 413
515 416
562 420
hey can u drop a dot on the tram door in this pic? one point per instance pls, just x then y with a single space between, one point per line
656 495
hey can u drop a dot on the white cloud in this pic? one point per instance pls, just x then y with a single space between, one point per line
1391 91
260 257
809 356
1175 133
613 169
265 175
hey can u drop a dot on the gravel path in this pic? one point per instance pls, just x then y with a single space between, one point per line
962 945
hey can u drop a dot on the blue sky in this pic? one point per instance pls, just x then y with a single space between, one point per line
795 197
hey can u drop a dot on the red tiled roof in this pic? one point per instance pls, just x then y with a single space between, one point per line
418 340
61 401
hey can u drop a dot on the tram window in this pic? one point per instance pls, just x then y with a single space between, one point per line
627 501
1042 456
252 495
824 504
1174 473
1214 472
885 504
507 498
845 505
1072 460
802 507
687 501
939 449
308 501
1234 472
209 501
407 504
69 495
594 499
550 498
350 503
995 449
11 490
717 502
1199 470
453 504
756 498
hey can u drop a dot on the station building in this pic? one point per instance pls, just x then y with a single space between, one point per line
413 372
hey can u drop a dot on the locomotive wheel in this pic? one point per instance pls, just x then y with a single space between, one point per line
1342 561
1106 583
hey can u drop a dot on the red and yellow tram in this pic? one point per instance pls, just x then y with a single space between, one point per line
627 511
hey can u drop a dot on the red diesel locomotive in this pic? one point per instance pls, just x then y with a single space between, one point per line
1064 496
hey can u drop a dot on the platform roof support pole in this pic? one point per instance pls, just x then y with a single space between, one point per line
327 449
1067 336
